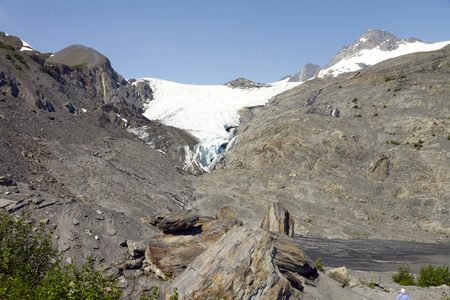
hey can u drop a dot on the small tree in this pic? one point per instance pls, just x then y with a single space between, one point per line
433 276
30 268
404 276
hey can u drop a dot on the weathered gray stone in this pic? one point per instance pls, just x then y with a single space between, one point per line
278 219
168 255
242 263
137 248
340 275
134 263
178 221
289 256
5 202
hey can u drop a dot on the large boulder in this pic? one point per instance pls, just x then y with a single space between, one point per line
290 257
241 263
278 219
169 254
178 221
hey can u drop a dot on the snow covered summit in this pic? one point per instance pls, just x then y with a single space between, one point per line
372 47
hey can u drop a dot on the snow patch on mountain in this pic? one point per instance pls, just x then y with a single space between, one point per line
205 111
369 57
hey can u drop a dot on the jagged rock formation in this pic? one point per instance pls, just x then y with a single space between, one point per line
278 219
309 71
372 38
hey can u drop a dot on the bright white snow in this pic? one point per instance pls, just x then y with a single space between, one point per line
374 56
205 111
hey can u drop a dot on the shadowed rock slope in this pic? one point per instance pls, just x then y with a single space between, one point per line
363 155
66 154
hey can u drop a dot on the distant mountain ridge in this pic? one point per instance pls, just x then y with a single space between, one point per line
372 47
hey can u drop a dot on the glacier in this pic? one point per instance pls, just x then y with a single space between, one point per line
205 111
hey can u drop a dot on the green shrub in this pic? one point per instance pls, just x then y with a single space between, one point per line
355 106
18 67
395 143
389 79
8 56
404 276
21 59
433 276
30 268
319 264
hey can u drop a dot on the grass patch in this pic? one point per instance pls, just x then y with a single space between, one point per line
395 143
79 66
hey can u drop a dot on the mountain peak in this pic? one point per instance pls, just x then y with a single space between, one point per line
309 71
373 47
78 55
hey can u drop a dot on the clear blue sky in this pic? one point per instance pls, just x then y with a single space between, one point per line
213 42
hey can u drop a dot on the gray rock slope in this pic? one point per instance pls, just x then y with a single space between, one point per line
380 170
64 145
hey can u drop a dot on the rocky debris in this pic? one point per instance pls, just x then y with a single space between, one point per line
294 280
5 202
278 219
6 180
168 255
183 253
226 213
242 263
381 166
178 221
137 248
290 256
340 275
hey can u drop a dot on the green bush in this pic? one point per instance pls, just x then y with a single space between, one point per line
30 267
404 276
319 264
21 60
433 276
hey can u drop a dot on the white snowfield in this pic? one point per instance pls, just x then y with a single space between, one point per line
376 55
205 111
